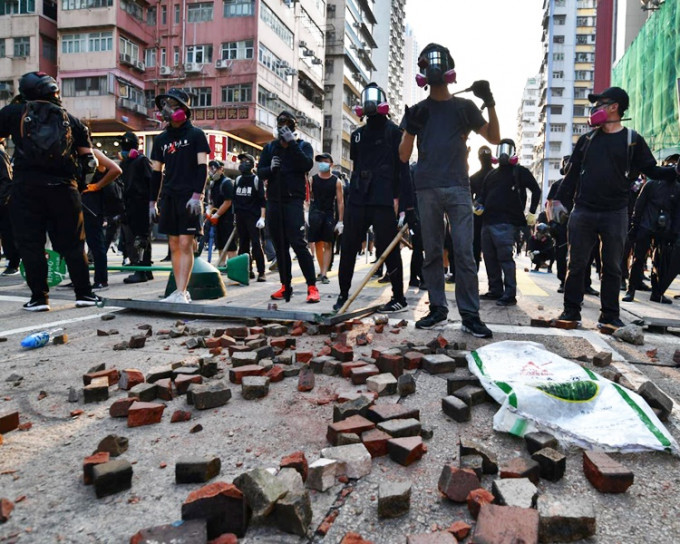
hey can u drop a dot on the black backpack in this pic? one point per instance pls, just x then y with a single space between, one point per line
112 198
47 137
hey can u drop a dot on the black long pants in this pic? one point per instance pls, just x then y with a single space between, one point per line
477 239
9 246
561 250
249 239
137 232
643 241
34 210
384 221
291 236
95 237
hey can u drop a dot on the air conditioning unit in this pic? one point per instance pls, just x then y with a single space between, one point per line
140 66
192 67
224 63
139 108
308 53
165 70
291 72
317 61
6 88
271 96
303 44
126 59
281 64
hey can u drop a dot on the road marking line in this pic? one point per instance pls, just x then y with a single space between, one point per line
528 287
9 298
53 324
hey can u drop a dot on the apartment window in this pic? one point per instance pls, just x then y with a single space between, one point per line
560 3
558 127
529 102
271 61
133 8
558 56
581 92
49 49
585 39
202 97
556 91
580 128
175 56
126 47
84 86
580 111
199 54
200 13
558 39
152 16
73 43
244 49
584 57
556 110
555 165
3 53
177 14
239 8
330 66
85 4
164 56
237 93
100 41
558 74
585 21
164 15
583 75
150 57
22 47
555 147
560 19
17 7
327 121
276 24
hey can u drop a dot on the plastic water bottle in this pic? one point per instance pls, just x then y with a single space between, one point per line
37 339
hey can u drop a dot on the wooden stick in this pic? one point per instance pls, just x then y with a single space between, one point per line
226 247
378 264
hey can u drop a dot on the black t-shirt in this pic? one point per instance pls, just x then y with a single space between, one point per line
442 142
598 181
31 172
504 200
221 190
477 179
136 178
248 195
178 148
324 191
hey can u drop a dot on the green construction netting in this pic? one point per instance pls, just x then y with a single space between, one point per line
650 72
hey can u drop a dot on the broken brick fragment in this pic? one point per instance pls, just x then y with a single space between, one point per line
90 462
144 413
111 374
180 416
183 381
478 498
121 406
222 505
303 356
297 461
130 377
606 474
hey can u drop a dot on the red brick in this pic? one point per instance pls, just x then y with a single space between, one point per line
327 523
89 462
298 461
193 531
256 330
129 378
359 375
297 331
226 341
376 352
379 328
237 374
275 374
326 350
227 538
478 498
355 424
385 412
606 474
278 343
180 415
521 467
567 325
394 364
406 450
145 413
183 381
6 507
354 538
211 343
238 332
238 348
459 529
346 368
112 374
303 356
164 389
8 422
306 379
375 441
223 507
497 524
457 483
216 351
342 352
412 360
120 407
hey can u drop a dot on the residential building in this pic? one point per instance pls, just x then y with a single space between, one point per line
349 43
410 92
527 122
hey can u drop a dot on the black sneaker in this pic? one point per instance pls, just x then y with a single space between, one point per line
560 289
339 303
100 286
393 307
438 314
643 287
591 291
137 277
506 301
628 297
37 305
570 315
660 299
475 327
490 296
384 279
87 300
414 282
10 271
261 278
613 321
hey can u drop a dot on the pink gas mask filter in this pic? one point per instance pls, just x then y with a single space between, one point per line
597 118
169 115
381 109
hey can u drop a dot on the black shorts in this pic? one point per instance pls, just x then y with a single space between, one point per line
224 228
174 218
321 226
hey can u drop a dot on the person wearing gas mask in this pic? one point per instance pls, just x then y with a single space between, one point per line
222 216
284 164
52 157
326 191
598 179
442 124
179 160
136 194
378 180
501 206
476 180
655 221
542 248
250 208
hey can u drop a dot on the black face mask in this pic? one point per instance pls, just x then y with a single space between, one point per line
245 167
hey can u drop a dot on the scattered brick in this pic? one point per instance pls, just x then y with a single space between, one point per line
355 424
472 395
120 407
506 524
606 474
186 532
358 405
398 428
385 412
391 361
327 523
179 416
90 462
8 422
112 477
412 360
456 409
540 322
130 377
137 341
321 474
354 538
468 446
346 368
111 375
164 389
552 463
183 381
438 342
407 450
359 375
521 467
607 329
478 498
275 374
438 364
297 461
237 374
539 440
460 380
212 395
144 392
342 352
223 507
96 391
566 325
144 413
113 444
564 519
159 373
406 385
261 490
457 483
375 441
382 384
473 462
6 507
394 499
354 460
459 529
306 379
254 387
656 399
515 492
602 358
293 513
196 470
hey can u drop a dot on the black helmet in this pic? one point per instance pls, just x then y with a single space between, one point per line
436 66
176 94
37 86
129 141
542 229
286 118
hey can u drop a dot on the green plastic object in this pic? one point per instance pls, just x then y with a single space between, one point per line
205 282
56 268
238 269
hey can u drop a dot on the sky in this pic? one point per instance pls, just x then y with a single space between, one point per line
496 40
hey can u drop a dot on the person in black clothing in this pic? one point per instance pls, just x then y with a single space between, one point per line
93 214
326 192
598 179
284 164
136 226
222 217
378 180
656 219
476 180
183 150
6 236
542 247
250 207
45 192
410 216
501 206
626 260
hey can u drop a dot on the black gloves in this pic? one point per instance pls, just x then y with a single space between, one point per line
632 232
415 118
482 90
411 218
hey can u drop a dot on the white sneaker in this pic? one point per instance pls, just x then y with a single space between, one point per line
175 296
187 297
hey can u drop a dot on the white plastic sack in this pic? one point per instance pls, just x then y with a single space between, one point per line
540 391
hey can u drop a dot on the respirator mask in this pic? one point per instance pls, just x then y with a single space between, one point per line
598 114
169 114
505 153
436 66
245 167
374 102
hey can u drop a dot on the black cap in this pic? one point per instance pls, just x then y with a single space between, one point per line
216 164
129 141
322 156
176 94
246 157
615 94
285 114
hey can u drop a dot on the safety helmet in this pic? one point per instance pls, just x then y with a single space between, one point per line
37 86
182 97
542 229
436 66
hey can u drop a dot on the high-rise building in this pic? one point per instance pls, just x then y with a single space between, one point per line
527 122
567 73
389 55
411 93
349 44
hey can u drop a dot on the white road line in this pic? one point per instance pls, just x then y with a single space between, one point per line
53 324
9 298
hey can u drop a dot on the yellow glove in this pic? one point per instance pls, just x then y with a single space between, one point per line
531 219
